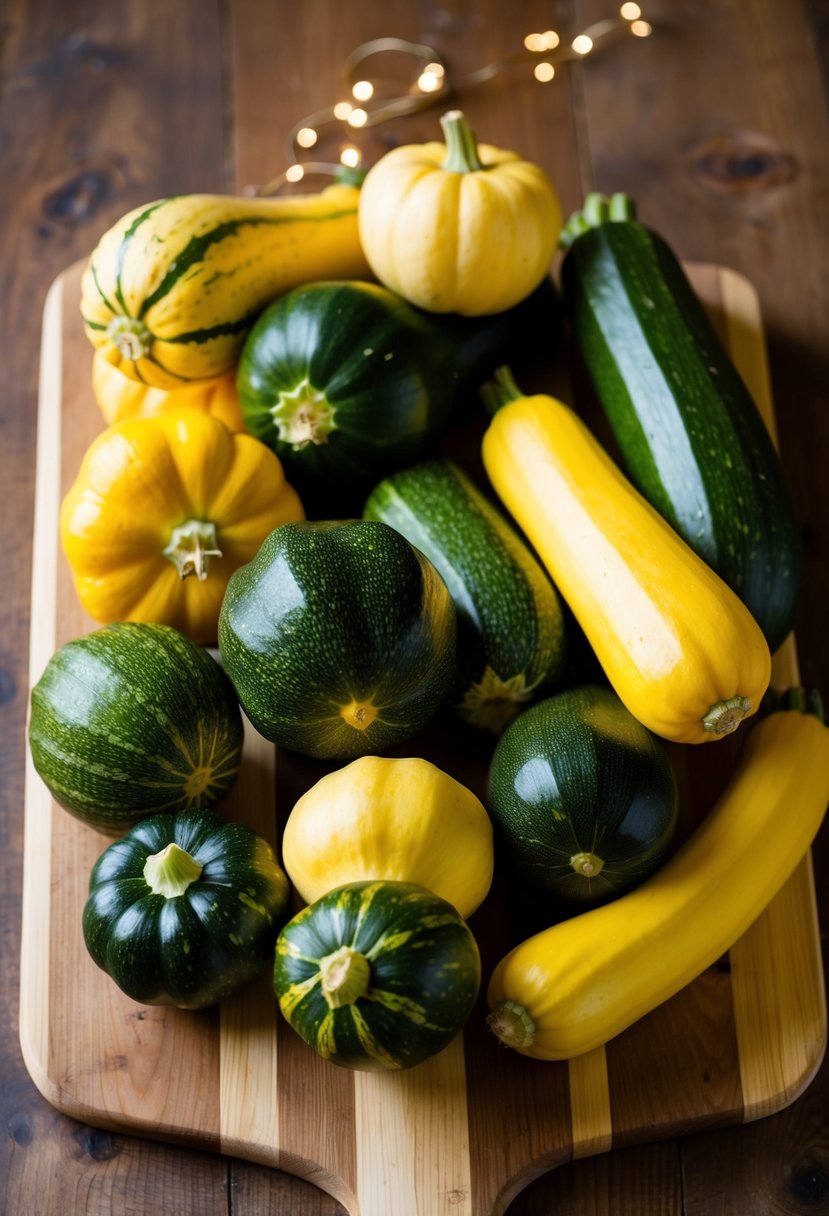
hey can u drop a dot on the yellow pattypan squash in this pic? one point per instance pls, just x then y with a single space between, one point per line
120 397
163 511
458 227
398 819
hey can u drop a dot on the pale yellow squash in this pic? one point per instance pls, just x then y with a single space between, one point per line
576 985
399 819
459 227
682 652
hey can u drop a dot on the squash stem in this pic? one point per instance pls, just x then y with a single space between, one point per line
131 337
170 872
303 415
461 146
344 977
587 864
597 210
512 1024
192 544
797 699
500 391
725 716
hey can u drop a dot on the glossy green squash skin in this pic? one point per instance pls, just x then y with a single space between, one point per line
510 622
195 948
133 719
420 984
347 381
690 435
582 796
339 638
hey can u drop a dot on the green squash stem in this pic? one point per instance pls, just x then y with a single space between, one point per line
461 146
512 1024
800 699
303 415
499 391
344 976
170 872
598 209
723 717
130 336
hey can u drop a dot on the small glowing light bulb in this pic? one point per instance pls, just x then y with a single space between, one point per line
306 137
342 109
551 40
363 90
630 12
428 82
350 157
544 71
641 29
295 173
582 44
535 42
357 118
435 69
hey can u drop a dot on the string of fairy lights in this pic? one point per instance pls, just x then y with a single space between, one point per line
371 99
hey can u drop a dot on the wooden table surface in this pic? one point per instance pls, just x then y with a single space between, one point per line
716 124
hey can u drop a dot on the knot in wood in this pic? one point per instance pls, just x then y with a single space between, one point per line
742 163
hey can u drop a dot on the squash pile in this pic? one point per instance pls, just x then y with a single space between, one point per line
293 389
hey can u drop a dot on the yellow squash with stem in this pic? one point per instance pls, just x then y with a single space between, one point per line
398 819
120 397
576 985
459 227
172 289
162 512
681 650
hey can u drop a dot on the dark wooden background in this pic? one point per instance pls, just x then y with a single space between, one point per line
717 124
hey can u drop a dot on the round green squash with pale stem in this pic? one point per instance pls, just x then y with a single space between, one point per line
134 719
339 638
377 975
582 796
185 909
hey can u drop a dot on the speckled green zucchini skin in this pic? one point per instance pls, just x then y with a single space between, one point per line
582 796
193 949
510 624
339 638
690 434
132 719
423 976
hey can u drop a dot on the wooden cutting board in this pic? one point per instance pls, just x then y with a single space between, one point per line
462 1134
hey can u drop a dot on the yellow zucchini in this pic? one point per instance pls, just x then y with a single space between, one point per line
573 987
173 288
681 650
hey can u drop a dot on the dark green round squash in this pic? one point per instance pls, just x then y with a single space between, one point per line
583 797
133 719
184 909
377 975
339 638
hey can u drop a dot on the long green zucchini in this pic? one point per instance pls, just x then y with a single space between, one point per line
688 430
510 621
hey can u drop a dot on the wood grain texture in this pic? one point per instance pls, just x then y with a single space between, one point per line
429 1142
102 109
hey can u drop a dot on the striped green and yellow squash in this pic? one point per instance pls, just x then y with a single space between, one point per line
510 621
171 290
133 719
377 975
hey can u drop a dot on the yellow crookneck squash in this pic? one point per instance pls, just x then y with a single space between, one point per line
681 650
575 986
120 397
459 227
162 512
172 289
398 819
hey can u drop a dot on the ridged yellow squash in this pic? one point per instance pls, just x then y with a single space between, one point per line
120 397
